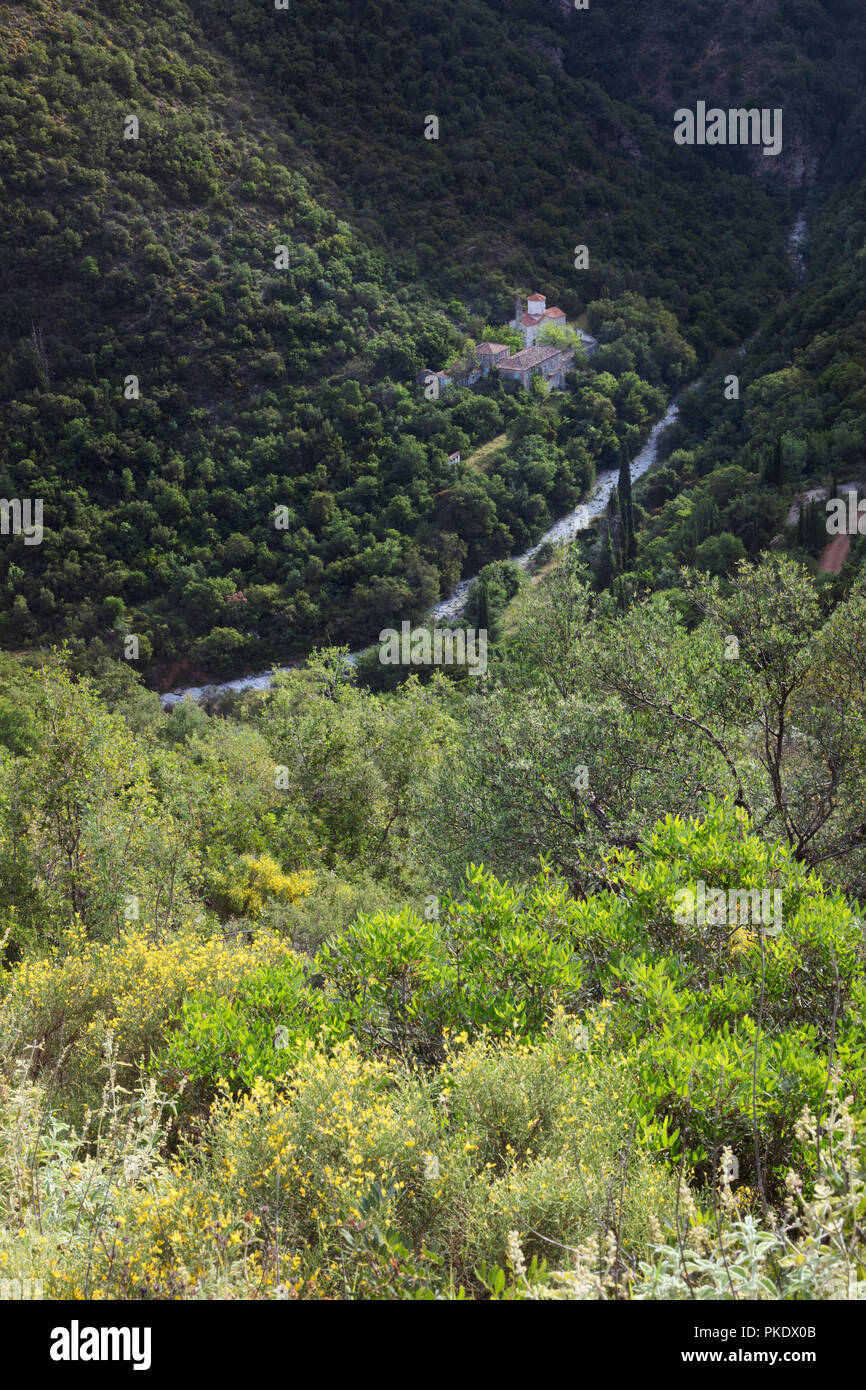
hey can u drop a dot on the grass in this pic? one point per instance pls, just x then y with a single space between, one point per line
480 460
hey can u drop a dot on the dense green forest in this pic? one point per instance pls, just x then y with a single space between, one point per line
395 982
294 388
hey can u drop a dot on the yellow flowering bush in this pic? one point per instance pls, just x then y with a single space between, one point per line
253 881
446 1163
346 1125
66 1006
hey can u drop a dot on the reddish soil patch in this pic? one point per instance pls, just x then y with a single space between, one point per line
835 555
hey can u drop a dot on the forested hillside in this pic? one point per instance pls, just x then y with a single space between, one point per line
403 980
293 387
735 466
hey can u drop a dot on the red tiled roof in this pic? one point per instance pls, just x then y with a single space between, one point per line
490 347
554 313
530 320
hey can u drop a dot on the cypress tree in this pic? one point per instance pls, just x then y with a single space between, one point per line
483 607
623 488
615 532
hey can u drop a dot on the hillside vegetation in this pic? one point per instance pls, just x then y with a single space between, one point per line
734 467
407 979
265 388
404 982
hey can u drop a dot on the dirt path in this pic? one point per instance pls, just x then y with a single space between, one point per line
835 555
